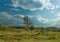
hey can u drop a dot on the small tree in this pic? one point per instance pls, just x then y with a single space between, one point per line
28 23
31 28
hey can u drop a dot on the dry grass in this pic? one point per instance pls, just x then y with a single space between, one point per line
20 35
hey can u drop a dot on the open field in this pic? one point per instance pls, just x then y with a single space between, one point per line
20 35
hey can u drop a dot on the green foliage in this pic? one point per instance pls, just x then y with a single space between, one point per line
51 36
31 28
3 27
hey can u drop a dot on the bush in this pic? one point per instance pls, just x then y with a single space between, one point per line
31 28
51 36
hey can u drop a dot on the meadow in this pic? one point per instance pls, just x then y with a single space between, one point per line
21 35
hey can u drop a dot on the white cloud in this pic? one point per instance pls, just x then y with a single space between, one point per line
57 6
19 15
51 22
6 15
27 4
55 22
17 19
47 4
14 20
33 4
15 3
58 14
43 20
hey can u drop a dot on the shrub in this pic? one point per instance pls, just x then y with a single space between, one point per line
51 36
31 28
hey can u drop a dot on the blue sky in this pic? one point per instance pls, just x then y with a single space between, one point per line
41 12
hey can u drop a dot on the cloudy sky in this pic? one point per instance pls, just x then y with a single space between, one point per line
41 12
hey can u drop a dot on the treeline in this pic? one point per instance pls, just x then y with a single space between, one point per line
53 29
3 27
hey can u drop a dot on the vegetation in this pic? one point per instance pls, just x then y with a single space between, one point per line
10 34
28 33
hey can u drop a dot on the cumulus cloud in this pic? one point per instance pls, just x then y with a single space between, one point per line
55 22
58 14
18 19
51 22
33 4
41 19
26 4
46 4
11 19
57 6
5 15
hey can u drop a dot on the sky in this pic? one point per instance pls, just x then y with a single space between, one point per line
41 12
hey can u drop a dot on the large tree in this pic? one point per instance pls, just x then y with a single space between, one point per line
27 23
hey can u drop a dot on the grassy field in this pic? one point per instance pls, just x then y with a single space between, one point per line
20 35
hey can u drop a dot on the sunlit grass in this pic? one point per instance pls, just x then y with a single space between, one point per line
20 35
